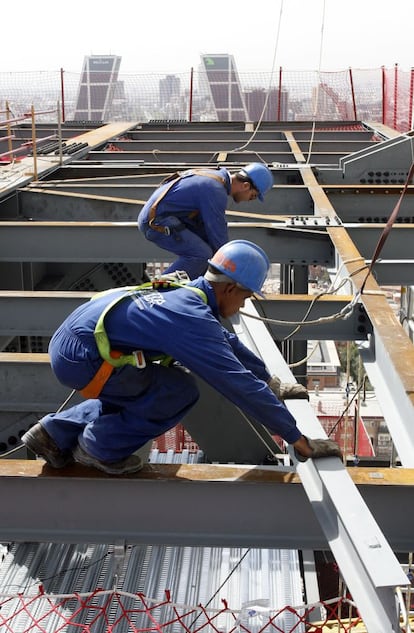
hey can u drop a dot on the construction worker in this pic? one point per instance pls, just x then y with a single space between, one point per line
132 353
186 214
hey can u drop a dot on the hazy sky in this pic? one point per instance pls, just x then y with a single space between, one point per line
169 36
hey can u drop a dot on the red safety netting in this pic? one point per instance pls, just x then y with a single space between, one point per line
107 611
380 95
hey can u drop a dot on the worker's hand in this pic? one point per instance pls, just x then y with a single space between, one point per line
287 390
305 448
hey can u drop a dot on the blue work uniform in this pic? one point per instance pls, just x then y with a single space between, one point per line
190 218
137 405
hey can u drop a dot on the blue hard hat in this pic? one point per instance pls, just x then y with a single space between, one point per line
260 176
244 262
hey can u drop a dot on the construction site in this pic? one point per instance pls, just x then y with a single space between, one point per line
223 529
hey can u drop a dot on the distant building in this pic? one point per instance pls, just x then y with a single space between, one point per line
221 80
98 87
276 108
324 366
169 88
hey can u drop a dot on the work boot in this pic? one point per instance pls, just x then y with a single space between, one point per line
39 442
130 464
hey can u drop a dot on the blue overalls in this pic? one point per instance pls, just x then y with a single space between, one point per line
139 404
186 216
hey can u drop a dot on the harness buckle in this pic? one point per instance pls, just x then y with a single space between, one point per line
139 357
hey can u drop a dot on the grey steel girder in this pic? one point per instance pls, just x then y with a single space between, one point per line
395 397
292 308
36 313
392 345
371 203
394 155
123 242
223 145
28 384
254 506
398 244
75 201
39 313
367 563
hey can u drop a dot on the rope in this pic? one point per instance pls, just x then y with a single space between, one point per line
315 112
259 123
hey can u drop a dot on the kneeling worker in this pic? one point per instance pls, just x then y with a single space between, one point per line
132 353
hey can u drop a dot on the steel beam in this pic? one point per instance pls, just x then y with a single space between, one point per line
397 245
395 375
289 521
287 310
367 563
36 313
123 242
39 313
68 200
395 398
27 384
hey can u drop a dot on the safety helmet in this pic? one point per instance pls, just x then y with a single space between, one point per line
244 262
260 176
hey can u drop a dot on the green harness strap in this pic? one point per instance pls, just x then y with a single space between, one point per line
101 337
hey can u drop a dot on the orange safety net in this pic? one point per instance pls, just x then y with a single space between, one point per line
109 611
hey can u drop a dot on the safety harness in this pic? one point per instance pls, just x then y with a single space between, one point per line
112 359
171 180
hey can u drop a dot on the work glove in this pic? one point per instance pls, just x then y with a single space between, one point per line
320 448
287 390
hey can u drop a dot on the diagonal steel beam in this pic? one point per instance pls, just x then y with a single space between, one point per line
366 560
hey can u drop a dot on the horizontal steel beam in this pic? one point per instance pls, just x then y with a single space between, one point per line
39 313
327 310
397 246
28 384
36 313
114 200
287 519
123 242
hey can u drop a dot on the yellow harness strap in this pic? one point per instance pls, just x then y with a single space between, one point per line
112 358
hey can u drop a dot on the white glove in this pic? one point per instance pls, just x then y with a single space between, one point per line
287 390
320 448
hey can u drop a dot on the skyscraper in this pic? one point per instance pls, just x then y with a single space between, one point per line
97 87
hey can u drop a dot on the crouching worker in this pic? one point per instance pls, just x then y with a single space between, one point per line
126 349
